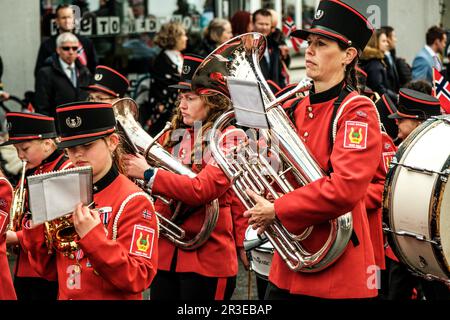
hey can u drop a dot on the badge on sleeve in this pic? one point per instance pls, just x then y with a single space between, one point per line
387 158
147 214
3 218
142 241
355 135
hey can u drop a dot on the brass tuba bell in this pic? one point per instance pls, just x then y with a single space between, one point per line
239 58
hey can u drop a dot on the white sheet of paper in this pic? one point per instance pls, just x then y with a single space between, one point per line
36 205
247 103
62 194
55 194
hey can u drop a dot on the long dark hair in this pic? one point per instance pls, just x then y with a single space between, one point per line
350 77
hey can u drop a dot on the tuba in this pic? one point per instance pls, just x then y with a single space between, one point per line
239 58
137 140
18 203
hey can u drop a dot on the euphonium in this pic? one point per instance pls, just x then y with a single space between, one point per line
139 141
17 208
239 58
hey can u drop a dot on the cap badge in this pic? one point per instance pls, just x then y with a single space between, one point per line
318 15
186 69
73 123
98 76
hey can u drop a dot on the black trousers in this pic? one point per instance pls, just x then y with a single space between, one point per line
261 287
32 289
170 285
401 281
435 290
275 293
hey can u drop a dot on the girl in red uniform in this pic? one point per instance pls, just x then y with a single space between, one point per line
33 136
118 247
6 285
348 152
208 272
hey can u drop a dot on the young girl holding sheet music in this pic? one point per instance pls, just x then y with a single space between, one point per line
117 250
33 135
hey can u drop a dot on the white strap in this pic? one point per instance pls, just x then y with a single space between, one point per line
341 110
122 207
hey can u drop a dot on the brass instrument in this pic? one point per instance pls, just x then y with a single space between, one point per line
17 208
139 141
239 58
60 234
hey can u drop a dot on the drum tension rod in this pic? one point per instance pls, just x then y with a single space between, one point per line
444 173
419 237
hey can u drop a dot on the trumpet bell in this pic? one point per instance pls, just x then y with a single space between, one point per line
61 235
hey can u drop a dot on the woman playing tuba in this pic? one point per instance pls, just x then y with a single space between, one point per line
208 272
341 130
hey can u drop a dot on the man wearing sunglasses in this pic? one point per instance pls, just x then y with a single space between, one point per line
65 22
62 81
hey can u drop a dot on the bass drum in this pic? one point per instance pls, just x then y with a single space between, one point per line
260 257
416 200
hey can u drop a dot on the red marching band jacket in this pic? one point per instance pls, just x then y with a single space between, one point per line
117 259
7 291
55 161
354 158
374 200
217 256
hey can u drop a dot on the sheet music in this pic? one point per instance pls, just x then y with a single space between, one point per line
55 194
247 103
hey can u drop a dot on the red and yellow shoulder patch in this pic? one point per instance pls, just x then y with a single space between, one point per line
142 241
355 136
387 158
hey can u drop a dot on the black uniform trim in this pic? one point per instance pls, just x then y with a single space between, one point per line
101 184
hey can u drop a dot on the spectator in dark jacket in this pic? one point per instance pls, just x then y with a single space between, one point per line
372 62
217 32
165 71
402 68
60 82
65 21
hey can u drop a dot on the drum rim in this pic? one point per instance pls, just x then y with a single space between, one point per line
391 176
262 247
438 189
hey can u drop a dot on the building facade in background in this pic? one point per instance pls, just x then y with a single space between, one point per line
123 30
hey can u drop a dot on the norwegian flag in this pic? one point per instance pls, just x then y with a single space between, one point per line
441 90
82 55
288 27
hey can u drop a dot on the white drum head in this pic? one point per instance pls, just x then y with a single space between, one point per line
415 201
261 257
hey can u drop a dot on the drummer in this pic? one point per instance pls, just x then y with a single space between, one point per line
414 108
